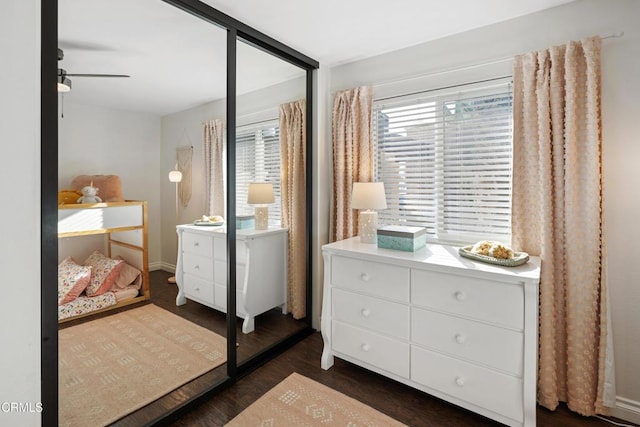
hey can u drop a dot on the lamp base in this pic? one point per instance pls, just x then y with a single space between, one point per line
368 226
262 217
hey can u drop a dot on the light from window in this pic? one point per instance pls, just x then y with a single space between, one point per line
445 161
258 160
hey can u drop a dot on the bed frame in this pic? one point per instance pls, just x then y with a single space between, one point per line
125 227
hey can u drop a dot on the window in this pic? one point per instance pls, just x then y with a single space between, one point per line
258 160
445 160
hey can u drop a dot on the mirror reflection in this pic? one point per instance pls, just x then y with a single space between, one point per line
270 199
127 350
142 227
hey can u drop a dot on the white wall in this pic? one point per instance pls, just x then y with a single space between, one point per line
185 128
20 214
101 141
621 128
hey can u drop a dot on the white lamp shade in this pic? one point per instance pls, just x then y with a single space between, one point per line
368 195
260 193
175 176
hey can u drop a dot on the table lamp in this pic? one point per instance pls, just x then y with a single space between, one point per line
261 194
368 196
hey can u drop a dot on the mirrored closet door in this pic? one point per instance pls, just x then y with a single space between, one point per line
205 124
270 193
136 350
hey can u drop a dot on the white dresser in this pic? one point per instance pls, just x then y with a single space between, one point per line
261 269
460 330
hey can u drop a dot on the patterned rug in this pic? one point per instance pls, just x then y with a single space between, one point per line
299 401
112 366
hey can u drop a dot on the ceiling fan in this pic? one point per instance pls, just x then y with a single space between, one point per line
64 83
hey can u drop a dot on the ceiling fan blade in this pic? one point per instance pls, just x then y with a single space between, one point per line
96 75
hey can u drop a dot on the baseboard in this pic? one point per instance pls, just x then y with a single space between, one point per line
153 266
626 409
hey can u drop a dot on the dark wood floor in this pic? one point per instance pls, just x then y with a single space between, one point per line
401 402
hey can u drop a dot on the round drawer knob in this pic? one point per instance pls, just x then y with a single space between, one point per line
365 312
197 289
365 277
196 243
459 295
365 347
197 267
459 381
460 338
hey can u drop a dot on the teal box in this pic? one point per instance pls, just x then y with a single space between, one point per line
244 222
402 238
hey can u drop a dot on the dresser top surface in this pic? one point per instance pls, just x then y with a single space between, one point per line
441 256
222 230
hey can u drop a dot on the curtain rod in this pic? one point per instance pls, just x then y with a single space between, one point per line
443 88
471 67
253 123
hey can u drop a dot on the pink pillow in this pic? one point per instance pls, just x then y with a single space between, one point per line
104 273
128 275
72 280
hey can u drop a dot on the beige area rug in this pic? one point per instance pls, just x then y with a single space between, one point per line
112 366
299 401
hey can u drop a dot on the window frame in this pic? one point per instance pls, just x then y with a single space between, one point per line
438 225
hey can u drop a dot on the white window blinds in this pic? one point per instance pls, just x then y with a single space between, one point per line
258 160
445 160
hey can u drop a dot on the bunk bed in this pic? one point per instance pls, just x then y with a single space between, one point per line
124 225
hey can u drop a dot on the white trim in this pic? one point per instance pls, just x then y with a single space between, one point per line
626 409
161 265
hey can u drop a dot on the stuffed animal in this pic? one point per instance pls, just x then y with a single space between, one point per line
89 195
68 197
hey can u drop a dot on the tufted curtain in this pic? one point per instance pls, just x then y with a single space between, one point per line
293 201
213 137
558 214
352 155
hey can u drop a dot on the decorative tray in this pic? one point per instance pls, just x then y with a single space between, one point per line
518 259
208 223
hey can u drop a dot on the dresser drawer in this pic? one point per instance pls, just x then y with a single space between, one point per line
221 300
495 302
377 350
220 249
220 274
385 317
384 280
479 342
196 243
198 265
492 390
198 289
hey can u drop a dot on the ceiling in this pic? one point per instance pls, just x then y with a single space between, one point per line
177 61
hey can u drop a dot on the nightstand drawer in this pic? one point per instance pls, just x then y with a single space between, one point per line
196 243
385 317
495 302
479 342
377 350
198 265
198 289
384 280
492 390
